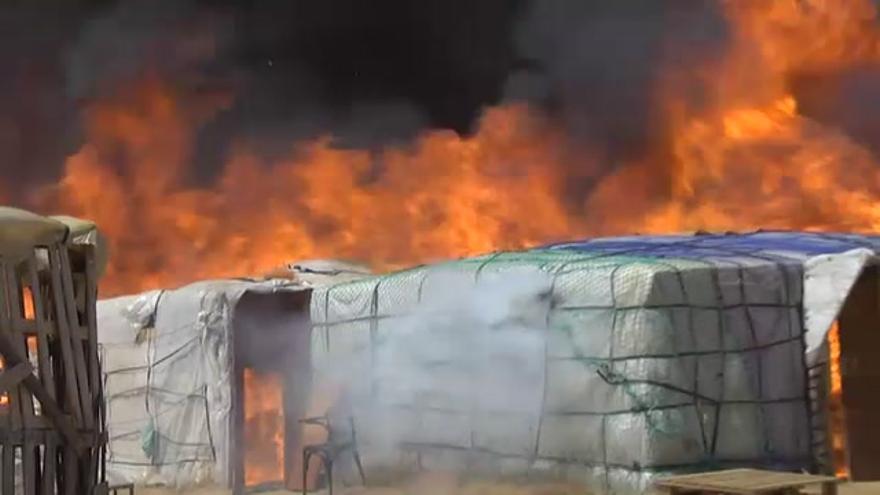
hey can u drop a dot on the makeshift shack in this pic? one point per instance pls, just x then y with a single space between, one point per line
622 359
200 380
661 354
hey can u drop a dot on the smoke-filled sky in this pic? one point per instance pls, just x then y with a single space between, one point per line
369 73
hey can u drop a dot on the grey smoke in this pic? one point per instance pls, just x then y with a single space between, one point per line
471 347
596 67
137 38
36 116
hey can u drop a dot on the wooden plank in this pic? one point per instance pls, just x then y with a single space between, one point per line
14 288
26 327
29 460
90 293
50 407
742 481
91 290
68 369
8 336
8 472
50 462
45 371
71 472
79 360
10 377
829 488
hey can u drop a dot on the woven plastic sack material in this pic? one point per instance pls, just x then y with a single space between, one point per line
655 359
166 358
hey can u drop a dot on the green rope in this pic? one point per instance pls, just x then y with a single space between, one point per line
645 404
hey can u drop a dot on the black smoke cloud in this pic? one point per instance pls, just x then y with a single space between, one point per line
36 115
369 73
600 62
596 68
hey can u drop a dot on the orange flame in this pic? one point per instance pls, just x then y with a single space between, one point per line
28 301
4 397
264 428
836 413
447 196
32 352
745 158
29 314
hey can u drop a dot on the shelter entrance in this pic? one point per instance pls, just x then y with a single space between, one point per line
859 341
271 389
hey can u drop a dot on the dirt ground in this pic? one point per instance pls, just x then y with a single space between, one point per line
441 486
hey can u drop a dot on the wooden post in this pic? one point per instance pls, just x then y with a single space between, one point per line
236 456
829 488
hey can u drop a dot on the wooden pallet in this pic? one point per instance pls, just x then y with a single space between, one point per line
746 482
51 402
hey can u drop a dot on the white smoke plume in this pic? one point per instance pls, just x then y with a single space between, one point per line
469 351
479 345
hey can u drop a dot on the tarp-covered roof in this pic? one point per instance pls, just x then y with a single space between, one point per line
21 230
831 261
776 246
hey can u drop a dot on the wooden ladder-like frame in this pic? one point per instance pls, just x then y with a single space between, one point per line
52 435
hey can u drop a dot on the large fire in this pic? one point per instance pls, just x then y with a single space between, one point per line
745 157
264 428
836 413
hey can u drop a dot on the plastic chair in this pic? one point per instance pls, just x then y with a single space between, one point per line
329 451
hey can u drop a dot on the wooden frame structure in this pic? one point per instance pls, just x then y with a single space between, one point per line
52 408
746 482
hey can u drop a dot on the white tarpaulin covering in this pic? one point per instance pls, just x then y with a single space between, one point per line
624 358
166 358
167 365
657 354
828 280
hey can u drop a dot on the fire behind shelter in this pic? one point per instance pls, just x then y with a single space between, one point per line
659 354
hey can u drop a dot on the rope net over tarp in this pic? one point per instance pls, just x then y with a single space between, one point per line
655 354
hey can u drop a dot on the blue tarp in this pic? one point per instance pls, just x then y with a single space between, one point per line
768 245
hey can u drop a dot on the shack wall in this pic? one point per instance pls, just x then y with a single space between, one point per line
648 368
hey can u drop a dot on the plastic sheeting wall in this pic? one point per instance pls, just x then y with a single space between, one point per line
649 366
167 373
